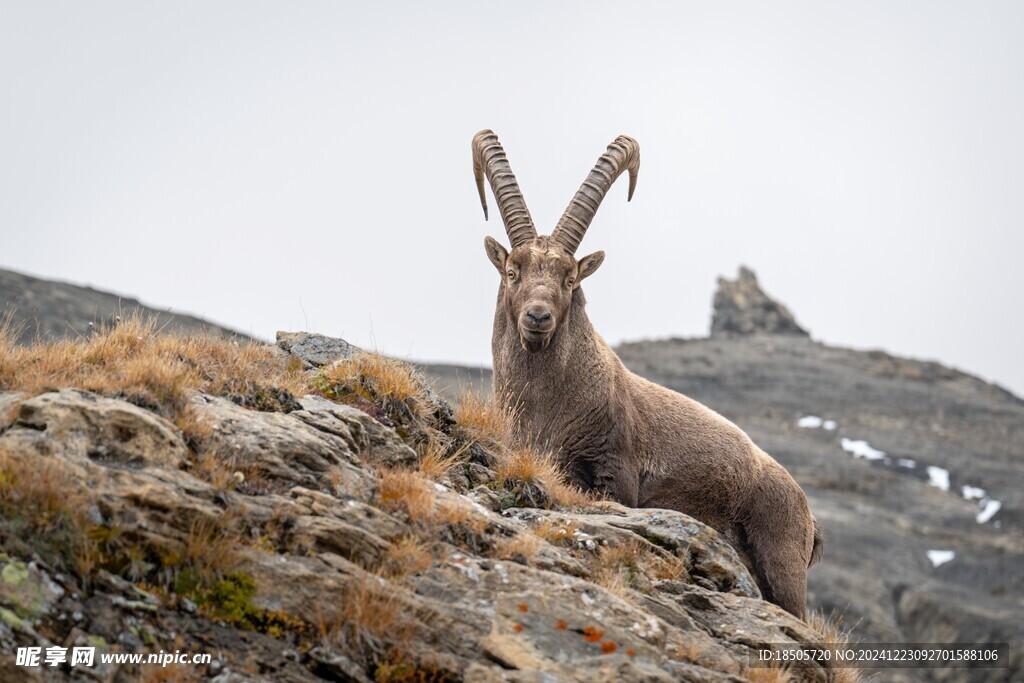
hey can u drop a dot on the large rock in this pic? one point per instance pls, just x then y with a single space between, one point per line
742 308
314 539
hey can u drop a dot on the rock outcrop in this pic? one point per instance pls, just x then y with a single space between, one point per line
742 308
307 543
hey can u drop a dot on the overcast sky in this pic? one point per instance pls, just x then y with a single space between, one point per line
307 165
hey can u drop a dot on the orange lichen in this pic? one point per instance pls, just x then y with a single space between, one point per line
608 647
593 634
630 651
518 628
561 625
523 607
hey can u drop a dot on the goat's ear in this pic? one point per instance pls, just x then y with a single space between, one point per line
588 264
496 253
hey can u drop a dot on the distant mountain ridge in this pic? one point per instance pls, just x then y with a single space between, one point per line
50 309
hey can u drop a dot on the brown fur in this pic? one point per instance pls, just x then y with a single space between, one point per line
639 443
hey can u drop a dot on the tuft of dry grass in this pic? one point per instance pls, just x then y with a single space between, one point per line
484 419
666 567
407 491
387 383
438 456
832 633
173 673
520 548
43 509
689 650
137 360
524 466
459 516
208 552
616 568
367 619
634 565
223 472
769 674
557 532
406 556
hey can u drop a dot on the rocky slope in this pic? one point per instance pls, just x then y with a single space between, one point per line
359 531
48 309
884 447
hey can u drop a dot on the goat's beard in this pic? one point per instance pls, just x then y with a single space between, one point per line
535 346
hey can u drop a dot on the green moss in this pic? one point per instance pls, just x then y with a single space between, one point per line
14 622
14 573
230 599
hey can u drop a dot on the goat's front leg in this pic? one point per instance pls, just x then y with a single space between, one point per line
618 479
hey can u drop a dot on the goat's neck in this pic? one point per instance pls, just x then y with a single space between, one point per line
556 381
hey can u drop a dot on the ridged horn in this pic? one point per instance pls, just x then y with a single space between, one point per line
489 160
622 155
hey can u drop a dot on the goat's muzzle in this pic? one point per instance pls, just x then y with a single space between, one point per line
536 327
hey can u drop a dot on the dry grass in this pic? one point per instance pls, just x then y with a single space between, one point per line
367 619
666 567
137 360
223 472
43 509
390 384
409 492
689 651
526 466
172 673
616 568
520 548
484 419
557 532
460 516
208 552
634 565
438 456
832 633
406 556
769 674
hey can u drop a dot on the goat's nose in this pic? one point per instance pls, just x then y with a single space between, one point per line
538 316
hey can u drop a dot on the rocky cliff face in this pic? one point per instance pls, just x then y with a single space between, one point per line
343 524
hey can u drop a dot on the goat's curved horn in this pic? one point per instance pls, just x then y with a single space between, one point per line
489 160
622 155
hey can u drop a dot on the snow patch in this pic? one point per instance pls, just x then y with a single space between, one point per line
828 425
861 449
809 422
940 557
906 462
973 492
938 477
991 508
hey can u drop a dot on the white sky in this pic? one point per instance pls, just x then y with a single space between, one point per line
307 165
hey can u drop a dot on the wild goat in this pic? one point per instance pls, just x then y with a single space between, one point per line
614 432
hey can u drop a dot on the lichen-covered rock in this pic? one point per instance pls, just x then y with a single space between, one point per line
26 590
315 350
105 430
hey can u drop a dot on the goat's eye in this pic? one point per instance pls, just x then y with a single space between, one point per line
570 282
511 275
